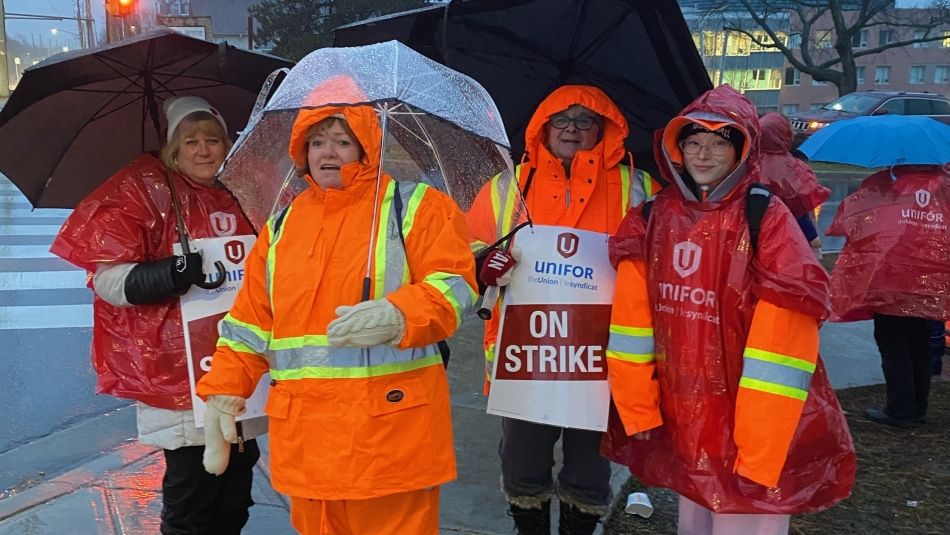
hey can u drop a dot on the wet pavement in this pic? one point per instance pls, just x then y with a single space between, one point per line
68 459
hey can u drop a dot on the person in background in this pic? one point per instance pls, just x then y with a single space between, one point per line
789 178
360 422
895 269
713 355
575 174
123 234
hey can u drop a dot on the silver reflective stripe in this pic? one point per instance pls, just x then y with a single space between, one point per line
243 335
637 192
345 357
778 374
638 345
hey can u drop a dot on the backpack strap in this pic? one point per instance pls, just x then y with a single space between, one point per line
444 348
756 201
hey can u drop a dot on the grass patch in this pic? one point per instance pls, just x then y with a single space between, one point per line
903 480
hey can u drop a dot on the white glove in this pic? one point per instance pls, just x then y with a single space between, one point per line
220 431
505 280
366 324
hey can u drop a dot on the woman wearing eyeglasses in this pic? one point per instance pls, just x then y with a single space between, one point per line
575 173
726 400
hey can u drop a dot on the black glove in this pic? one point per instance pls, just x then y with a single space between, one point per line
150 282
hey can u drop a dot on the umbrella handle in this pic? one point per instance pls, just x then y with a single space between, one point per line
220 280
488 302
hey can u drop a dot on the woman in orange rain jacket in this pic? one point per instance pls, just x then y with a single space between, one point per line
360 424
573 175
713 352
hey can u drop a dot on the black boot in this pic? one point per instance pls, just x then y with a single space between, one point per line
532 521
575 522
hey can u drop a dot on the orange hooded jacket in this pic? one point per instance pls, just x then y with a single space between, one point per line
349 423
600 187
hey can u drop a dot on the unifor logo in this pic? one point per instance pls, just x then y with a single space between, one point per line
686 257
567 244
234 251
223 223
922 197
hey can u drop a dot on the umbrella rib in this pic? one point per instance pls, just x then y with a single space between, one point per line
438 159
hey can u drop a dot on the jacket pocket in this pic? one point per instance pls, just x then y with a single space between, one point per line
278 404
396 395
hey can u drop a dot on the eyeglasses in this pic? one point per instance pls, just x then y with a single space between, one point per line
719 147
581 122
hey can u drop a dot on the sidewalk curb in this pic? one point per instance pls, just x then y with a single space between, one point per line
75 479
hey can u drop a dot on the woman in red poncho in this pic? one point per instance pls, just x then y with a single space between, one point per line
123 233
895 268
713 352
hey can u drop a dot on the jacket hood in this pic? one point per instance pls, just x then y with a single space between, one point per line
361 119
718 107
776 134
615 125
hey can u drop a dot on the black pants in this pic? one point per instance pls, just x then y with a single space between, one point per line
195 502
904 344
527 457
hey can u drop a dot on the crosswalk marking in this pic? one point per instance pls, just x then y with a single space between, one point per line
25 251
45 317
30 230
43 279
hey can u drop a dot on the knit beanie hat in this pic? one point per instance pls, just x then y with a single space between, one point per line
178 108
731 134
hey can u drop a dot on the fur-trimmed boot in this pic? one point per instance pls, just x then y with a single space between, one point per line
532 521
573 521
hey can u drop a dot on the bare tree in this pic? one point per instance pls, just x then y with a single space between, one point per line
826 32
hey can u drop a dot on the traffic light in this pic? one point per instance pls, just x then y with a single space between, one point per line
121 8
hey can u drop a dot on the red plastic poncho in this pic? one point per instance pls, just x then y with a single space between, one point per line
786 176
139 351
699 359
896 259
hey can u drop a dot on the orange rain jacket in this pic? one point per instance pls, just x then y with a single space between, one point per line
714 345
600 186
347 423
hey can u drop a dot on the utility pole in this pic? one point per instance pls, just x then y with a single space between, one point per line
90 29
4 73
79 32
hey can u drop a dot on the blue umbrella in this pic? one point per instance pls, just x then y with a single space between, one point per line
881 141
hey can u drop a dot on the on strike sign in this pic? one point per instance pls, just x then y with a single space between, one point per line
550 363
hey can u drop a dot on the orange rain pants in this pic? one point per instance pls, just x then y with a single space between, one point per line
405 513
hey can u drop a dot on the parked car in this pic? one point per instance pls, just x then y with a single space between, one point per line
805 123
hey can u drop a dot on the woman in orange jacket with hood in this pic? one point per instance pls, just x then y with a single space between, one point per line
574 174
361 434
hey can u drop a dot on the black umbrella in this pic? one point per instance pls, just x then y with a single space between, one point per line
77 118
639 52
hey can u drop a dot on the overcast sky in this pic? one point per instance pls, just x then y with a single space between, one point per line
35 29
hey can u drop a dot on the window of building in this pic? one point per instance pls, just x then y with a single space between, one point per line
789 109
860 39
946 39
766 41
793 76
824 39
859 74
920 34
739 44
712 43
942 74
886 37
882 75
795 40
917 74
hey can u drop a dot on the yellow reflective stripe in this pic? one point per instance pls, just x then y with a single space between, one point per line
778 358
638 358
631 331
773 388
359 372
624 189
275 236
379 250
260 333
489 360
235 346
477 246
647 183
437 281
409 217
296 342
